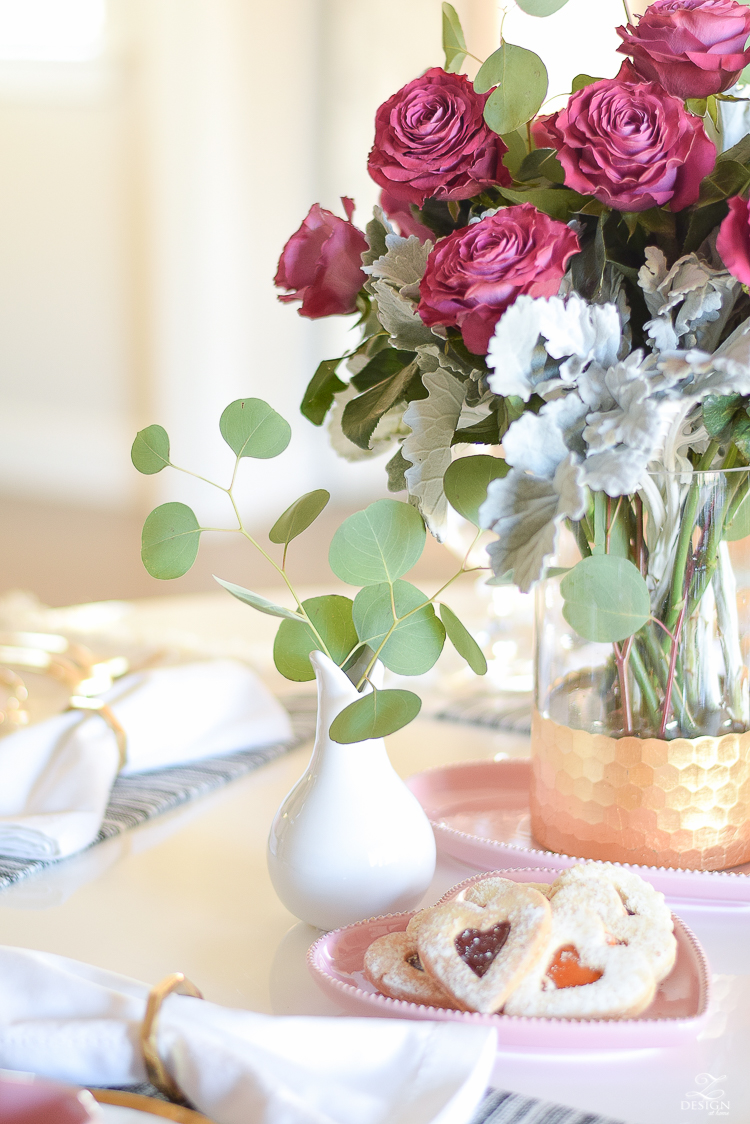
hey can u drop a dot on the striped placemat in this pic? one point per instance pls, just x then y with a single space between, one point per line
140 796
511 713
496 1108
511 1108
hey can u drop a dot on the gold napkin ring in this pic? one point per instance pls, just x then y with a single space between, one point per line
83 702
155 1068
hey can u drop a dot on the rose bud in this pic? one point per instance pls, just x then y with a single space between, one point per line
322 263
733 240
692 47
632 146
474 274
431 141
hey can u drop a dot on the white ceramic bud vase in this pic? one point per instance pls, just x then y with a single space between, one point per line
349 841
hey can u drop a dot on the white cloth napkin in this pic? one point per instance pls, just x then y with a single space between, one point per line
72 1022
56 776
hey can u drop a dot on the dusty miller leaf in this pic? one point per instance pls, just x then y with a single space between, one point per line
433 421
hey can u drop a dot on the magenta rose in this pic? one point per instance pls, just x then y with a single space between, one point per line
632 146
399 212
733 239
475 273
322 263
693 47
431 141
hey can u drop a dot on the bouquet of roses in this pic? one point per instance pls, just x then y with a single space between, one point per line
570 287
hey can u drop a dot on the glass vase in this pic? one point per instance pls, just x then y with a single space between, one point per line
641 749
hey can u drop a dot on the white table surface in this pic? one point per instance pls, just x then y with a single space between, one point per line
189 892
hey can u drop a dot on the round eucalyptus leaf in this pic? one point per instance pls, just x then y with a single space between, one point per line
416 641
466 480
170 540
541 7
298 517
463 641
252 428
375 716
520 78
150 451
332 617
378 544
606 599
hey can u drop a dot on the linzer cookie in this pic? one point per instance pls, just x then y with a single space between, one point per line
392 964
644 922
479 953
584 972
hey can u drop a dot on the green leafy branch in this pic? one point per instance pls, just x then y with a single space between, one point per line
389 619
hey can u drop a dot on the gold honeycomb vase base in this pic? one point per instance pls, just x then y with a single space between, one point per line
682 803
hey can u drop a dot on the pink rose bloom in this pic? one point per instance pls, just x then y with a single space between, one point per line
540 134
474 274
399 212
632 146
693 47
733 240
431 141
322 263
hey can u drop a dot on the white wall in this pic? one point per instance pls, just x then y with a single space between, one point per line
144 200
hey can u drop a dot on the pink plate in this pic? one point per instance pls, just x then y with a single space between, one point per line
480 814
676 1015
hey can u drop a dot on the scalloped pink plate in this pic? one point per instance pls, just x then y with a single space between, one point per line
676 1015
479 812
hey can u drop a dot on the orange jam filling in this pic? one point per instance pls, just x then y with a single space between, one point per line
566 969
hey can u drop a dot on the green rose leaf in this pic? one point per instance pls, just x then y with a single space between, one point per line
252 428
386 362
454 43
378 544
739 152
298 517
463 641
719 411
484 432
541 162
557 202
150 451
521 80
606 599
170 540
362 414
416 641
466 480
541 7
321 389
257 602
375 716
332 617
696 106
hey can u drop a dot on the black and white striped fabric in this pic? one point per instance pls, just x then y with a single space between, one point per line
494 713
496 1108
140 796
511 1108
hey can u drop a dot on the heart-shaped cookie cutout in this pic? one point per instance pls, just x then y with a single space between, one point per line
393 965
479 953
585 973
